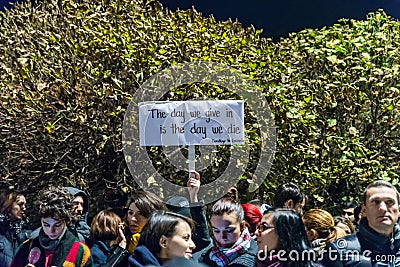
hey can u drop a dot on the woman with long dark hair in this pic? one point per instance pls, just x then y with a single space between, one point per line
282 240
13 227
140 206
165 236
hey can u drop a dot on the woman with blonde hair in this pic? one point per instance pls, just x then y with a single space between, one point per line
320 228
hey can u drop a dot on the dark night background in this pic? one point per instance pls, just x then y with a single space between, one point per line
279 18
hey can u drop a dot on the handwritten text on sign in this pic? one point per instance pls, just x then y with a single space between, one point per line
219 122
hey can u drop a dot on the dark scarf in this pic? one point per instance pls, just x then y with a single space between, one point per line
377 243
15 226
47 243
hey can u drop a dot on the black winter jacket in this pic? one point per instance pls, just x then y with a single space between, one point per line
201 236
105 256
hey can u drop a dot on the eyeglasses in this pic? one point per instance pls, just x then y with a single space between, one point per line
348 213
263 227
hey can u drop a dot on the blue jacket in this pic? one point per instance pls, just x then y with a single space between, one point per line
99 252
104 256
141 257
365 248
11 236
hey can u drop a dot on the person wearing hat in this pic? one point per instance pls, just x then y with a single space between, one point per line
81 203
252 217
193 209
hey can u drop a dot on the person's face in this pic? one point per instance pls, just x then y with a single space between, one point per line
381 209
299 207
53 227
226 229
180 244
348 213
18 208
135 219
266 237
345 227
78 202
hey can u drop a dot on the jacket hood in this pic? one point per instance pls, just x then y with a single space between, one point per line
77 192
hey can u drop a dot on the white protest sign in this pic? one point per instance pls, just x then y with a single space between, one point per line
174 123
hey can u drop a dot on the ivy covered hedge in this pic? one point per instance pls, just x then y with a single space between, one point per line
67 75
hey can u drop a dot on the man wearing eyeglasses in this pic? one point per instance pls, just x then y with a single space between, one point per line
348 210
377 242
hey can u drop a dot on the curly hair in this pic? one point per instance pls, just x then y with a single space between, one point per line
56 202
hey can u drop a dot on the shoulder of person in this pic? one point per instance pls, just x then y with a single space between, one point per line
79 250
347 242
35 233
199 256
98 245
332 252
142 256
248 258
253 247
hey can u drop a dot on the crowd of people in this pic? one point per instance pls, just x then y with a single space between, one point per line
181 232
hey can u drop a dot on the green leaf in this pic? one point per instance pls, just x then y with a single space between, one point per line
332 122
